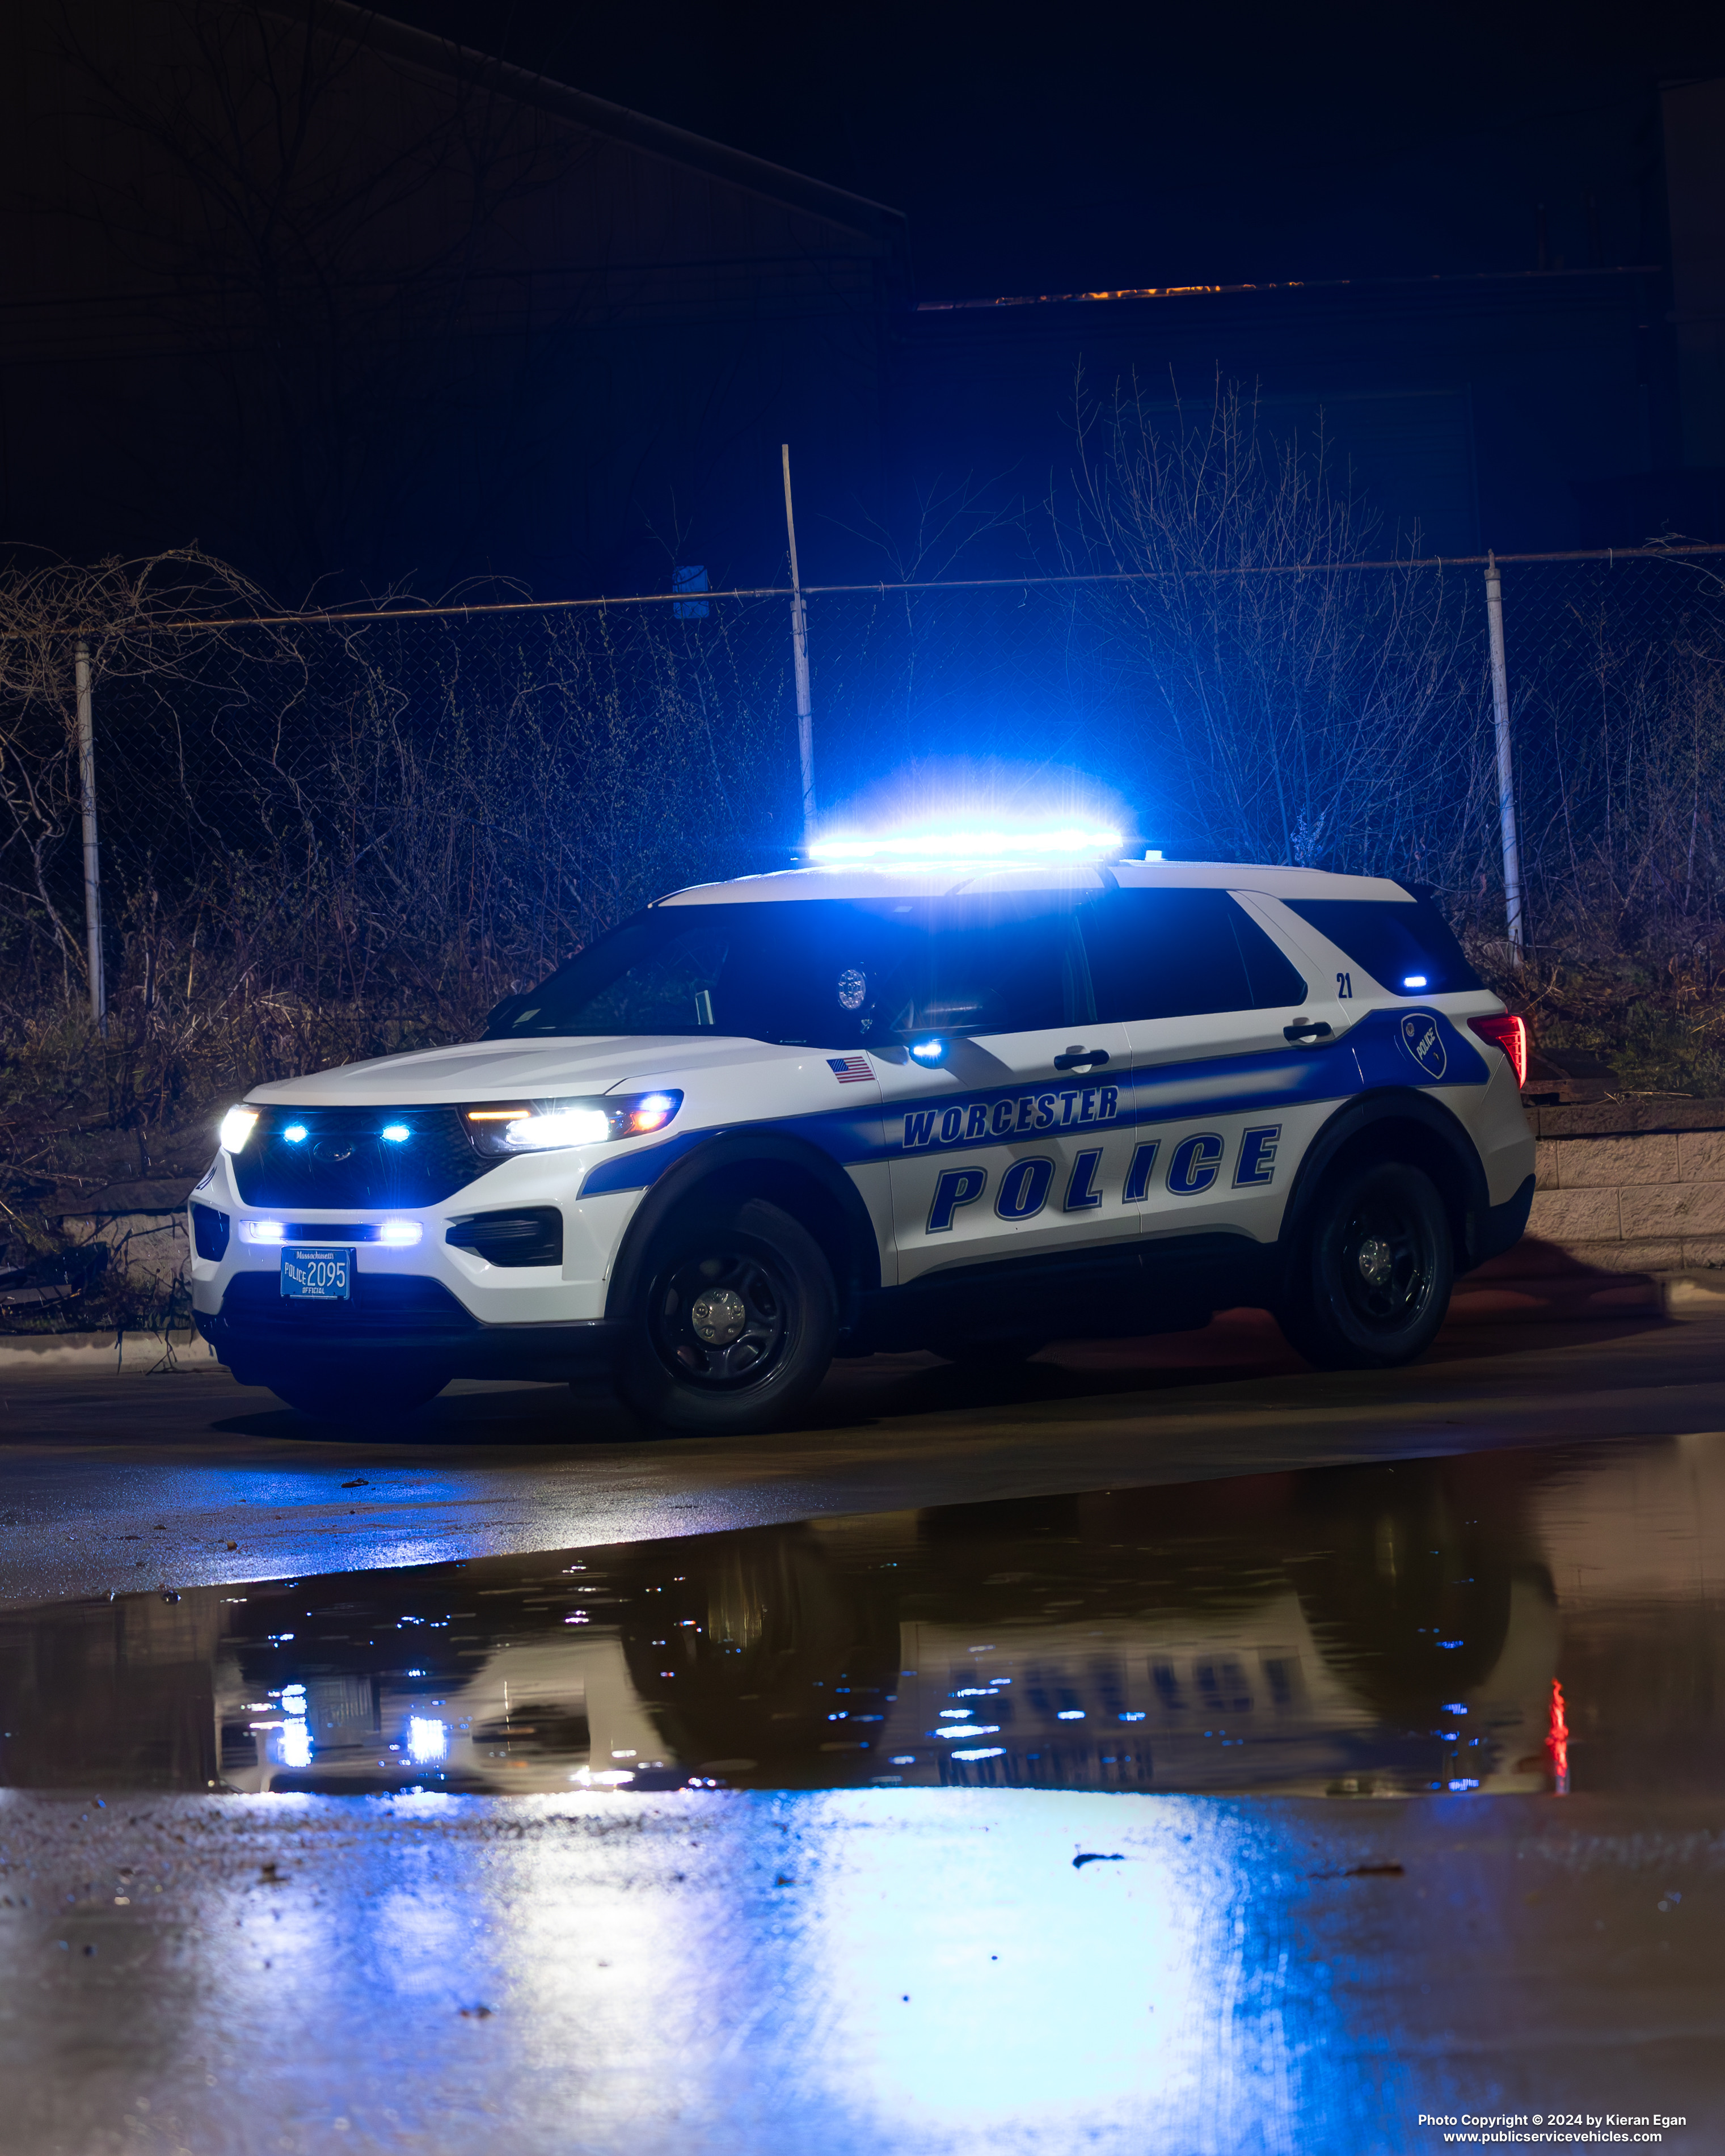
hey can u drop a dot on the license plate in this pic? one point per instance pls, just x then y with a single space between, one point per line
315 1274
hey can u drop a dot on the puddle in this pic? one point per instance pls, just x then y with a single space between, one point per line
1519 1622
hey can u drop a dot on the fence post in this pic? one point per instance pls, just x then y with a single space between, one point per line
92 851
1506 771
800 654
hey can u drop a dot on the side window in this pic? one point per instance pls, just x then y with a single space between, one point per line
1275 982
1406 943
1181 954
1002 977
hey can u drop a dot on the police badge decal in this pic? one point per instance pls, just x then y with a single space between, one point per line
1421 1037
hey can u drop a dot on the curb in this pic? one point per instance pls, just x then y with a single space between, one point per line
115 1349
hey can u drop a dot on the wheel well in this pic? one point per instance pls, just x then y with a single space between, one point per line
1401 1139
795 1190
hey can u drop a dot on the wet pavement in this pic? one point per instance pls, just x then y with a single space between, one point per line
183 1478
1141 1756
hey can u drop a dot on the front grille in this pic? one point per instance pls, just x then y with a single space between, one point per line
344 1158
381 1303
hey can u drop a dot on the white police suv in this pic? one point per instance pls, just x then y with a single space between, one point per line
839 1110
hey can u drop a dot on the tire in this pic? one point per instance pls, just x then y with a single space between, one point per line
1369 1281
755 1352
333 1396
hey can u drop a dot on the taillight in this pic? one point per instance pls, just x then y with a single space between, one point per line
1510 1034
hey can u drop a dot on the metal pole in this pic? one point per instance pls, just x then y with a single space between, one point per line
799 653
1505 773
92 851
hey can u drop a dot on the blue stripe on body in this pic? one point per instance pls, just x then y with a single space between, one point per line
1368 1057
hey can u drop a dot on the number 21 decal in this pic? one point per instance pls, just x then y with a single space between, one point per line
1344 987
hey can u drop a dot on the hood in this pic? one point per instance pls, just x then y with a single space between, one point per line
503 1070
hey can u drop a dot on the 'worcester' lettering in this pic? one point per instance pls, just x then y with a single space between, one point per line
1010 1116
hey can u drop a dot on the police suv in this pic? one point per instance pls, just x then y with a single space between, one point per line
836 1110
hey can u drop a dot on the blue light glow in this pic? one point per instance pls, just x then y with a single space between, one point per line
396 1133
1413 981
1070 1714
428 1739
295 1133
969 1729
928 1052
401 1234
983 1752
1069 842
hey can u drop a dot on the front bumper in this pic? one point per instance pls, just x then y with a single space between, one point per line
433 1303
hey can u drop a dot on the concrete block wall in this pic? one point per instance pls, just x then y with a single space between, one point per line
1617 1192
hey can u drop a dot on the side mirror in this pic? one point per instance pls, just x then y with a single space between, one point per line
501 1015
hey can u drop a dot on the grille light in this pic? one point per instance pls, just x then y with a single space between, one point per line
401 1235
396 1133
295 1133
236 1129
1414 981
262 1231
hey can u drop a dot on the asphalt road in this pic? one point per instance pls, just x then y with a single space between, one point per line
181 1478
748 1972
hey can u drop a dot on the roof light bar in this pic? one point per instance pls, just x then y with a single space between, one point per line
1069 842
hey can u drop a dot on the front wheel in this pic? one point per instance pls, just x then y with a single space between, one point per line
737 1325
1369 1281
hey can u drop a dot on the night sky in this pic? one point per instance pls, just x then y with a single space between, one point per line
1051 150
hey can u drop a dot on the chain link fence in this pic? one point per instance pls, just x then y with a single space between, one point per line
323 836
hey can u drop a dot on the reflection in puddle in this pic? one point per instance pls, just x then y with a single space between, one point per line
1496 1623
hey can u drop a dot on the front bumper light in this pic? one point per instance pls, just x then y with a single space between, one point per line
500 1129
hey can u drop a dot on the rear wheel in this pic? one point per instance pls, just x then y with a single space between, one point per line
1368 1284
737 1325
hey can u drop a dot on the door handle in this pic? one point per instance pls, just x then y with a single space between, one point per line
1307 1028
1076 1059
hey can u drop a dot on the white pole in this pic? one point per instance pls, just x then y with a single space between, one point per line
1505 773
92 852
799 653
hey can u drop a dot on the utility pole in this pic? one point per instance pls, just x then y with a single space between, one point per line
92 850
1506 771
800 654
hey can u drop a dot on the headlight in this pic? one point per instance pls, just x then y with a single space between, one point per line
236 1128
501 1129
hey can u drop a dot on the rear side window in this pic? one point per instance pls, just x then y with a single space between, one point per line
1181 954
1404 944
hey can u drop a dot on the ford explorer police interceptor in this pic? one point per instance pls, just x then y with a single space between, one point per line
839 1110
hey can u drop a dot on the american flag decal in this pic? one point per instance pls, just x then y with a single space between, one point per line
851 1070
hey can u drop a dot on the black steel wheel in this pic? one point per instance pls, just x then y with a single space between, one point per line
736 1328
1369 1277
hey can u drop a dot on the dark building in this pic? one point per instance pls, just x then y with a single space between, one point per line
342 300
